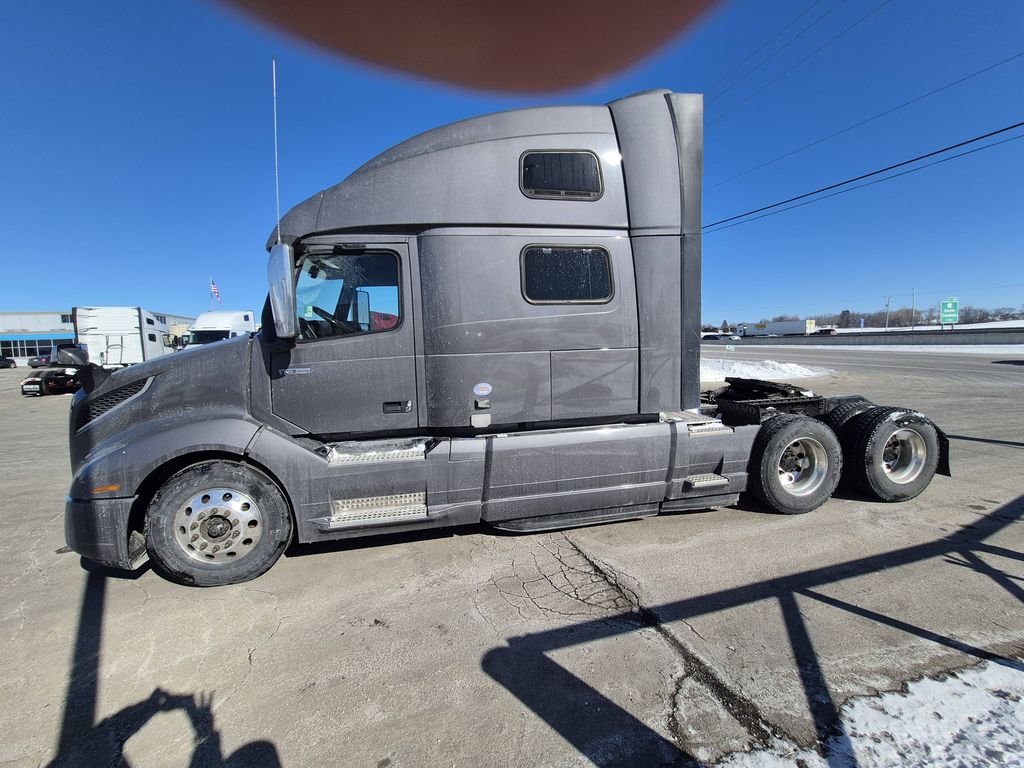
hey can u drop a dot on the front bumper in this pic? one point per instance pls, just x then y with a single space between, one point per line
97 529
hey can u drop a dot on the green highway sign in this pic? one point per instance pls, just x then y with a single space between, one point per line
949 311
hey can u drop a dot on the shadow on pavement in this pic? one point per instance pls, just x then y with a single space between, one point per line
592 722
86 743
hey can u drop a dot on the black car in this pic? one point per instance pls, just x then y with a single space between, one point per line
39 361
6 362
52 381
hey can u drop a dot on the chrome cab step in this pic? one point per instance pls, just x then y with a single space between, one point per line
705 480
375 451
374 510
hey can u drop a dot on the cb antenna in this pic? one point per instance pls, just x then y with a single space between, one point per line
277 179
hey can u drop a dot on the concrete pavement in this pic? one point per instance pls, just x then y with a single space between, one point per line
672 639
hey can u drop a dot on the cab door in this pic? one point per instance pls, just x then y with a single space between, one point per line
353 366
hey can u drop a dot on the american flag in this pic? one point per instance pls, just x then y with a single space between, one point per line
214 291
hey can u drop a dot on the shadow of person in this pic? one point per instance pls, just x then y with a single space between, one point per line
86 743
103 744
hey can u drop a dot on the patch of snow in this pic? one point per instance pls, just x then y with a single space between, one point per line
716 369
972 717
967 349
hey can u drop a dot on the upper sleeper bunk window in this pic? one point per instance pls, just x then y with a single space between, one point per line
561 175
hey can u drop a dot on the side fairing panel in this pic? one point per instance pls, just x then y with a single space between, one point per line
593 382
546 473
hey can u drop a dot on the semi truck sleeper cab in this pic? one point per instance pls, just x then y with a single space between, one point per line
495 321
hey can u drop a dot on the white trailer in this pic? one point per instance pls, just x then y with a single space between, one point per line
222 324
780 328
116 336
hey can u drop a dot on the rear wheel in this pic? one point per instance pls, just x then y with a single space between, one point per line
217 523
891 453
837 418
795 464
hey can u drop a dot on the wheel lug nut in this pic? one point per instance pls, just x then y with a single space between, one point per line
216 548
193 526
202 546
202 515
195 536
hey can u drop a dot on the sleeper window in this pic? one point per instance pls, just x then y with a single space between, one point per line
347 294
561 175
560 275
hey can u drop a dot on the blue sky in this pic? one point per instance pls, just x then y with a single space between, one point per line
137 151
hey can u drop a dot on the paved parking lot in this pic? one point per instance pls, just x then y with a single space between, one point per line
671 639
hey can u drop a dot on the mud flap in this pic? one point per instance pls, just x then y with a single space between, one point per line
943 467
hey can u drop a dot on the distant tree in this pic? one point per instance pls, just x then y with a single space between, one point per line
784 318
845 319
725 326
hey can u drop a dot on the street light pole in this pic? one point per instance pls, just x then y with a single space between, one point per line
913 309
887 300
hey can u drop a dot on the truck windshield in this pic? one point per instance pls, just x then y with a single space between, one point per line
205 337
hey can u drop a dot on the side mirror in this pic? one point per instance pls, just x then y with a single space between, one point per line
363 309
185 339
281 278
73 357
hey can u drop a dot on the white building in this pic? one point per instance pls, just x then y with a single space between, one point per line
27 334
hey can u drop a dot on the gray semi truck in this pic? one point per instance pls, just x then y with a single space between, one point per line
496 321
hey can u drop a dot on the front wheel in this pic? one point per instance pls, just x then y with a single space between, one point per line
795 464
217 523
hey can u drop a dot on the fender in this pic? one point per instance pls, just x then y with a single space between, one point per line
122 467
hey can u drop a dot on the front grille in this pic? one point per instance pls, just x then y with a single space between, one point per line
111 400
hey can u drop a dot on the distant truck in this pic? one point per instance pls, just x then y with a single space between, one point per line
494 322
780 328
120 336
220 325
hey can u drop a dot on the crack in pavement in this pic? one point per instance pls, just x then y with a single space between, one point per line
742 709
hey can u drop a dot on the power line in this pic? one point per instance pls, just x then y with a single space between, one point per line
876 181
867 175
766 44
816 51
889 111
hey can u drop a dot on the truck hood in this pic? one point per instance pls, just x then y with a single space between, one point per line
199 383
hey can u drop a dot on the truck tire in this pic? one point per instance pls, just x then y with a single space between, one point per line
891 453
838 417
217 523
795 464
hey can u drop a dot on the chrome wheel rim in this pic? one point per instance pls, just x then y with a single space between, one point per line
903 456
803 465
218 526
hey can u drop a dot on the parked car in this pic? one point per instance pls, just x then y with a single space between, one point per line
734 337
826 332
52 381
39 361
6 362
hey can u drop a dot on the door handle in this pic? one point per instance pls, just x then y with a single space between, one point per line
398 406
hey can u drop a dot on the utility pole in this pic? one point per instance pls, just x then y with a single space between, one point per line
887 300
913 309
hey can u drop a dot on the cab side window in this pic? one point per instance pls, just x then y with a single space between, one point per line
566 275
348 294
